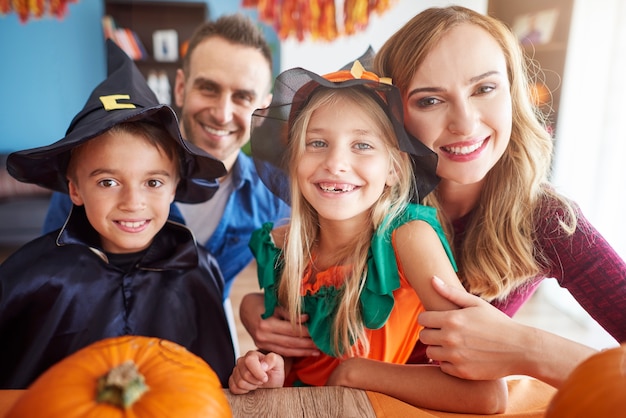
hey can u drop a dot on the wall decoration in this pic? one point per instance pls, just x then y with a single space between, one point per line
536 28
37 9
317 19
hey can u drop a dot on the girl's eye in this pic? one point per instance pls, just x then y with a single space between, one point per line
316 143
107 183
155 183
428 101
363 146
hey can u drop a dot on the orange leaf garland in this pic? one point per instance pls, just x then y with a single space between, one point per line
316 19
37 9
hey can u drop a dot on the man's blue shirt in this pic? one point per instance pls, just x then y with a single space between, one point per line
249 206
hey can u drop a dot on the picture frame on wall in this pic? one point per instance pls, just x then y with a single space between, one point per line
536 28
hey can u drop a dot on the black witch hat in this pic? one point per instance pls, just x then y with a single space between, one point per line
123 97
292 90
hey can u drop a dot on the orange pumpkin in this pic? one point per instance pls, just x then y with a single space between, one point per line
596 388
127 376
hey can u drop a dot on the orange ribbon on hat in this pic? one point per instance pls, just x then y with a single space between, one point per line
356 72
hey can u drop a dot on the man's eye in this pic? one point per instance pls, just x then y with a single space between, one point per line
244 98
208 89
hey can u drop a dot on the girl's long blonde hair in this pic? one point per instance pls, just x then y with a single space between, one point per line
499 251
303 230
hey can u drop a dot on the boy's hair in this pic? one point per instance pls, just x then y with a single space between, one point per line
237 29
304 226
499 251
153 133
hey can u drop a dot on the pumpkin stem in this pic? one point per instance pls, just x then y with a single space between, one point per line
122 386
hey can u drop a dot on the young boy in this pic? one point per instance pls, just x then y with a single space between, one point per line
117 266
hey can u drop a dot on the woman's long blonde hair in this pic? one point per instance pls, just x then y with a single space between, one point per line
304 229
499 251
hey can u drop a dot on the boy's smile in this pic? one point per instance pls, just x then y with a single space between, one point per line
126 185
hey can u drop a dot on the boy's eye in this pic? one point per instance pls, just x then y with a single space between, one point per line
155 183
107 183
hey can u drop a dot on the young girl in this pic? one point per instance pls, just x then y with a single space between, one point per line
358 255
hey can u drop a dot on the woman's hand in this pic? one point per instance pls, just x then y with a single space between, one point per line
479 342
275 333
257 370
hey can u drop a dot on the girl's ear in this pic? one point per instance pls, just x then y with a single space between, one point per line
392 176
74 192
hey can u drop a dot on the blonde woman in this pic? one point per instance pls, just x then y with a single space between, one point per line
510 229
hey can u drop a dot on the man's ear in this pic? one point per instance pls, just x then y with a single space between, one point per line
267 101
179 88
74 192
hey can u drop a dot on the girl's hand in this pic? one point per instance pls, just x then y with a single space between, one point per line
257 370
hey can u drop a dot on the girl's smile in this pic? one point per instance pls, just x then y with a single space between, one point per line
345 164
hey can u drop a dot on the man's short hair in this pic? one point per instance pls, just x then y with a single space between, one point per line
236 28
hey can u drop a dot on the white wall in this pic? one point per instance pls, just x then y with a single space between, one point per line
590 164
324 57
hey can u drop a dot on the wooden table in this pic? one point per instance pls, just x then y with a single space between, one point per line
309 402
306 402
528 398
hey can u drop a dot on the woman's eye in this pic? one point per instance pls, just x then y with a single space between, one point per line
107 183
428 101
485 89
155 183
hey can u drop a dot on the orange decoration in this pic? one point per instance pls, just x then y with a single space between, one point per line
183 48
316 19
596 388
37 9
128 376
540 94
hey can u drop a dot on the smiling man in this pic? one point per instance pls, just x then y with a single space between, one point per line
227 75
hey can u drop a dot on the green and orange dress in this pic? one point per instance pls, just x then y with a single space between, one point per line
388 302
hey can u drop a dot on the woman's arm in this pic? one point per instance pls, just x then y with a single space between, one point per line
425 386
479 342
276 332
